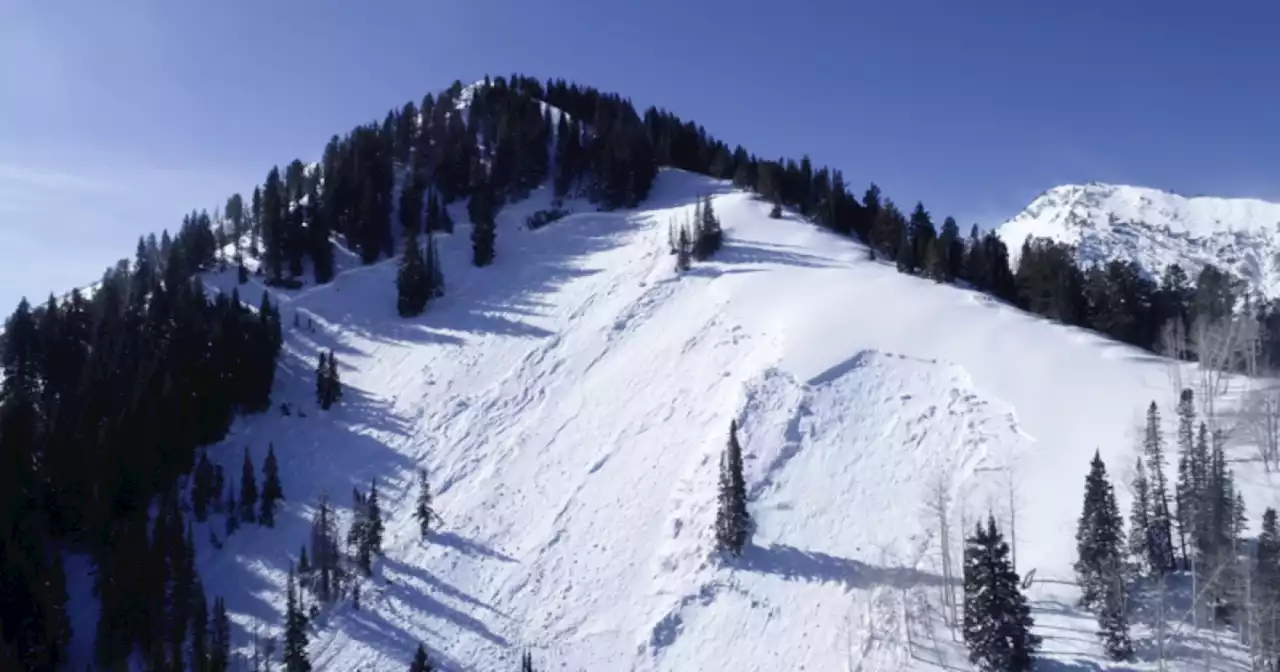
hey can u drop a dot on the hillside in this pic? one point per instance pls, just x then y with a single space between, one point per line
571 402
1156 228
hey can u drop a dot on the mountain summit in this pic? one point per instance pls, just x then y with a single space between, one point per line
1155 229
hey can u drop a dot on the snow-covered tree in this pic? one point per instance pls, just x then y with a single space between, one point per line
1099 537
997 619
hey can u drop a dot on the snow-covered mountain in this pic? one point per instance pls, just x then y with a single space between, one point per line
1157 228
571 403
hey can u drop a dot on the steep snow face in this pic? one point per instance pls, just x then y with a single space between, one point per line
571 403
1156 228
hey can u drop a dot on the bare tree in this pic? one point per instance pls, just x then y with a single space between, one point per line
1220 345
938 511
1260 416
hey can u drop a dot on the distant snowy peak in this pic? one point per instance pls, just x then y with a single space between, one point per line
1157 228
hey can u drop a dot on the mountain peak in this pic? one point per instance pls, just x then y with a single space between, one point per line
1156 228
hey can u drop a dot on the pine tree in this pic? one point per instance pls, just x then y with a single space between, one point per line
1266 590
328 386
1140 519
1161 531
1184 489
433 286
200 631
231 509
1113 620
423 512
997 619
248 490
732 521
202 488
358 533
1099 537
683 250
420 661
375 529
322 382
220 638
411 280
272 491
295 630
481 208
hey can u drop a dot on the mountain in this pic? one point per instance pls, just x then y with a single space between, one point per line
569 400
1156 228
570 404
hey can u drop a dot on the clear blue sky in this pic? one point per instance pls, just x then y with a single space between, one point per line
116 117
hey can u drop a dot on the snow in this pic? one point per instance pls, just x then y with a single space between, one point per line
571 402
1157 228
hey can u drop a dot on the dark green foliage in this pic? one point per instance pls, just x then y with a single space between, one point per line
481 209
710 236
1050 283
1100 565
327 574
328 385
248 490
733 523
412 284
1159 545
104 404
295 630
420 661
1099 537
202 490
375 529
220 638
423 512
997 619
272 491
1266 586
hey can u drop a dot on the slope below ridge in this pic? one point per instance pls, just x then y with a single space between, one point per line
1155 229
571 402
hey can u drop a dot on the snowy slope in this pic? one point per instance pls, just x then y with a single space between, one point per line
571 403
1157 228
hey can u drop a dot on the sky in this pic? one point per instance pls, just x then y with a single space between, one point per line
118 117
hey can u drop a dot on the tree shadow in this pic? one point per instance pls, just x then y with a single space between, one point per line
1074 664
451 540
737 252
794 564
402 569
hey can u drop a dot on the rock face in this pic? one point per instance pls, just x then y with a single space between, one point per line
1156 228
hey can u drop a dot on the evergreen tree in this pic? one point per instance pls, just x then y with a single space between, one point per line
220 638
1113 621
1184 489
248 490
1140 519
334 384
481 210
200 632
1099 537
202 488
375 529
328 386
732 521
997 619
322 382
231 510
412 282
295 631
423 512
1266 591
272 491
420 661
1161 531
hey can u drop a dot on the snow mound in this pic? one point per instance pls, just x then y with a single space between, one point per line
1156 228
